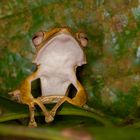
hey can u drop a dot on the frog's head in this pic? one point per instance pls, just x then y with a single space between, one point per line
42 37
47 43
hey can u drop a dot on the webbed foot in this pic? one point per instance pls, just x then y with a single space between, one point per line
49 119
32 124
15 95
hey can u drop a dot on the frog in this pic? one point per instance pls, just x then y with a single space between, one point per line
59 52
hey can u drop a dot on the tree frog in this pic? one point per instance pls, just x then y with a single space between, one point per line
59 53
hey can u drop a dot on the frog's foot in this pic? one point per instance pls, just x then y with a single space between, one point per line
49 119
15 95
32 124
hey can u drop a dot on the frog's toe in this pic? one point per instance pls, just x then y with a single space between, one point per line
15 95
32 124
49 119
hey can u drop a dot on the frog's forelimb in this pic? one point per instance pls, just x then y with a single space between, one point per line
23 95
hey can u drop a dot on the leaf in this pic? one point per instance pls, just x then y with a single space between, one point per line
98 133
14 110
38 133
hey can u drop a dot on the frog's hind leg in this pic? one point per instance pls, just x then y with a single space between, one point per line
48 117
32 122
79 99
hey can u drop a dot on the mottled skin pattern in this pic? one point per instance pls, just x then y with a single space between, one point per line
23 93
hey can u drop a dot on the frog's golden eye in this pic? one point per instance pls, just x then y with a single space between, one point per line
82 37
38 38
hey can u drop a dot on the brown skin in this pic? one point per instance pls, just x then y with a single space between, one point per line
23 94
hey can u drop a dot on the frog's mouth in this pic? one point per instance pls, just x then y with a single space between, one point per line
46 37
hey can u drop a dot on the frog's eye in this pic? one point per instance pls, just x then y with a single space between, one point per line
38 38
82 37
